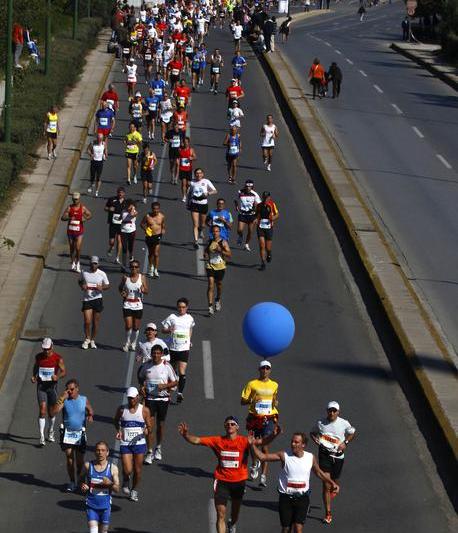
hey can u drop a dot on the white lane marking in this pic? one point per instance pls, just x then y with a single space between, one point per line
349 61
363 73
327 44
338 52
444 161
418 132
396 108
211 515
130 370
208 370
377 88
200 259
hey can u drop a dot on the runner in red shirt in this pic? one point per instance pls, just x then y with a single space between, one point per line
75 215
180 117
174 69
234 92
181 93
110 96
231 473
48 369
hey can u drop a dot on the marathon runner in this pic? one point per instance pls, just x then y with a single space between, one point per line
132 289
128 232
238 65
133 142
182 93
104 120
294 481
136 110
332 434
76 411
131 70
153 224
231 472
262 397
174 69
48 369
234 114
266 216
132 423
197 202
148 59
75 214
216 67
92 283
221 217
195 67
180 117
148 162
234 92
174 137
179 326
216 255
269 133
234 147
186 157
156 378
51 130
158 85
114 207
144 347
97 151
110 96
166 110
98 480
152 112
245 205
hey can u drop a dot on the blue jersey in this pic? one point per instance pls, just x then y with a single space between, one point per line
238 64
152 103
98 498
75 413
195 61
158 87
104 118
214 217
233 146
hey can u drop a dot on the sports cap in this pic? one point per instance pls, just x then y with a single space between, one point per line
94 260
132 392
46 343
232 418
265 363
151 325
334 405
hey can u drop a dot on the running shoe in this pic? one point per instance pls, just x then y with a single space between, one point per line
156 273
218 305
135 180
89 190
78 267
254 470
133 346
247 247
54 154
86 344
93 345
70 487
263 480
180 397
49 157
51 436
42 441
269 167
196 245
148 460
151 272
73 267
239 241
263 266
211 311
96 194
144 200
125 348
328 518
231 528
269 257
125 490
109 252
158 453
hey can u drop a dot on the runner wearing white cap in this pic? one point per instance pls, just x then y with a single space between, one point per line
262 397
132 423
332 434
48 369
92 283
144 347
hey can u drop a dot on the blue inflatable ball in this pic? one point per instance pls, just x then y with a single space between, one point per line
268 329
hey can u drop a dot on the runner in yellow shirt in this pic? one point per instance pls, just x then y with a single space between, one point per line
51 127
262 397
133 142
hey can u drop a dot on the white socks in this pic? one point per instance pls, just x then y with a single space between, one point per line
51 423
136 333
41 426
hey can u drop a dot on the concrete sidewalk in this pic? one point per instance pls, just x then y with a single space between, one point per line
36 211
427 56
431 362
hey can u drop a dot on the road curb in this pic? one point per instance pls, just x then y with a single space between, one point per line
449 80
422 344
55 210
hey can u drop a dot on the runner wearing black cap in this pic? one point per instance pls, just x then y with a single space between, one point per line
266 215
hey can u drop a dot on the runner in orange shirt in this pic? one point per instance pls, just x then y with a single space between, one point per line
231 473
316 77
180 117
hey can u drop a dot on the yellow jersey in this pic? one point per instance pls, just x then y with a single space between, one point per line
52 122
133 140
262 396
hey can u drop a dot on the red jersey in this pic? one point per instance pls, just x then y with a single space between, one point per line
234 91
232 457
178 37
47 365
185 160
161 27
75 224
181 117
175 67
111 98
182 95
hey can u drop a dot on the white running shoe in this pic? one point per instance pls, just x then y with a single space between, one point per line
70 487
135 179
158 453
42 441
211 311
89 190
247 247
133 346
86 344
49 157
263 480
148 460
54 154
231 528
269 167
156 273
73 267
78 267
125 490
133 496
151 272
254 470
125 348
93 345
51 436
144 200
184 199
96 193
218 305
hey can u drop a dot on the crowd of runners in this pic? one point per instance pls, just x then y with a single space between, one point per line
164 58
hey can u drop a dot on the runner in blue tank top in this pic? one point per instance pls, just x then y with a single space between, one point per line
98 480
234 147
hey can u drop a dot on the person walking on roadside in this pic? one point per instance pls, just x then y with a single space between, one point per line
76 411
51 130
362 11
48 369
285 29
335 77
268 30
75 215
316 77
17 37
405 29
92 282
332 434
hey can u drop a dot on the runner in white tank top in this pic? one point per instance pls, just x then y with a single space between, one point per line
294 480
132 289
268 134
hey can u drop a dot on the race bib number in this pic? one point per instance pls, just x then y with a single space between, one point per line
295 486
74 225
45 374
148 57
96 490
117 219
152 106
132 433
175 142
185 162
52 125
180 339
181 101
230 459
265 223
215 70
175 72
263 407
158 91
152 387
126 51
329 441
72 437
103 121
233 150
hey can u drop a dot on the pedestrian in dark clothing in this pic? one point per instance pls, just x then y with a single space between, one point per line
268 30
335 77
328 3
405 29
285 28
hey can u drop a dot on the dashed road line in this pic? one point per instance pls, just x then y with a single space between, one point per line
396 108
338 52
363 73
327 44
377 88
444 161
349 61
418 132
208 370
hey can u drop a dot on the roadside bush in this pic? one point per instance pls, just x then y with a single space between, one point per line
12 159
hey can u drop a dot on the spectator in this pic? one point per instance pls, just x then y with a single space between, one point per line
268 31
284 29
317 78
307 6
335 77
18 43
405 29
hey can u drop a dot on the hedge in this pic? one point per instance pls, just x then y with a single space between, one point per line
34 93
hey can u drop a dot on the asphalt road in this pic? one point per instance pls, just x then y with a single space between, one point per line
389 481
397 127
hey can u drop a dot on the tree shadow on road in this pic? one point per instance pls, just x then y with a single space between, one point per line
185 471
30 479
